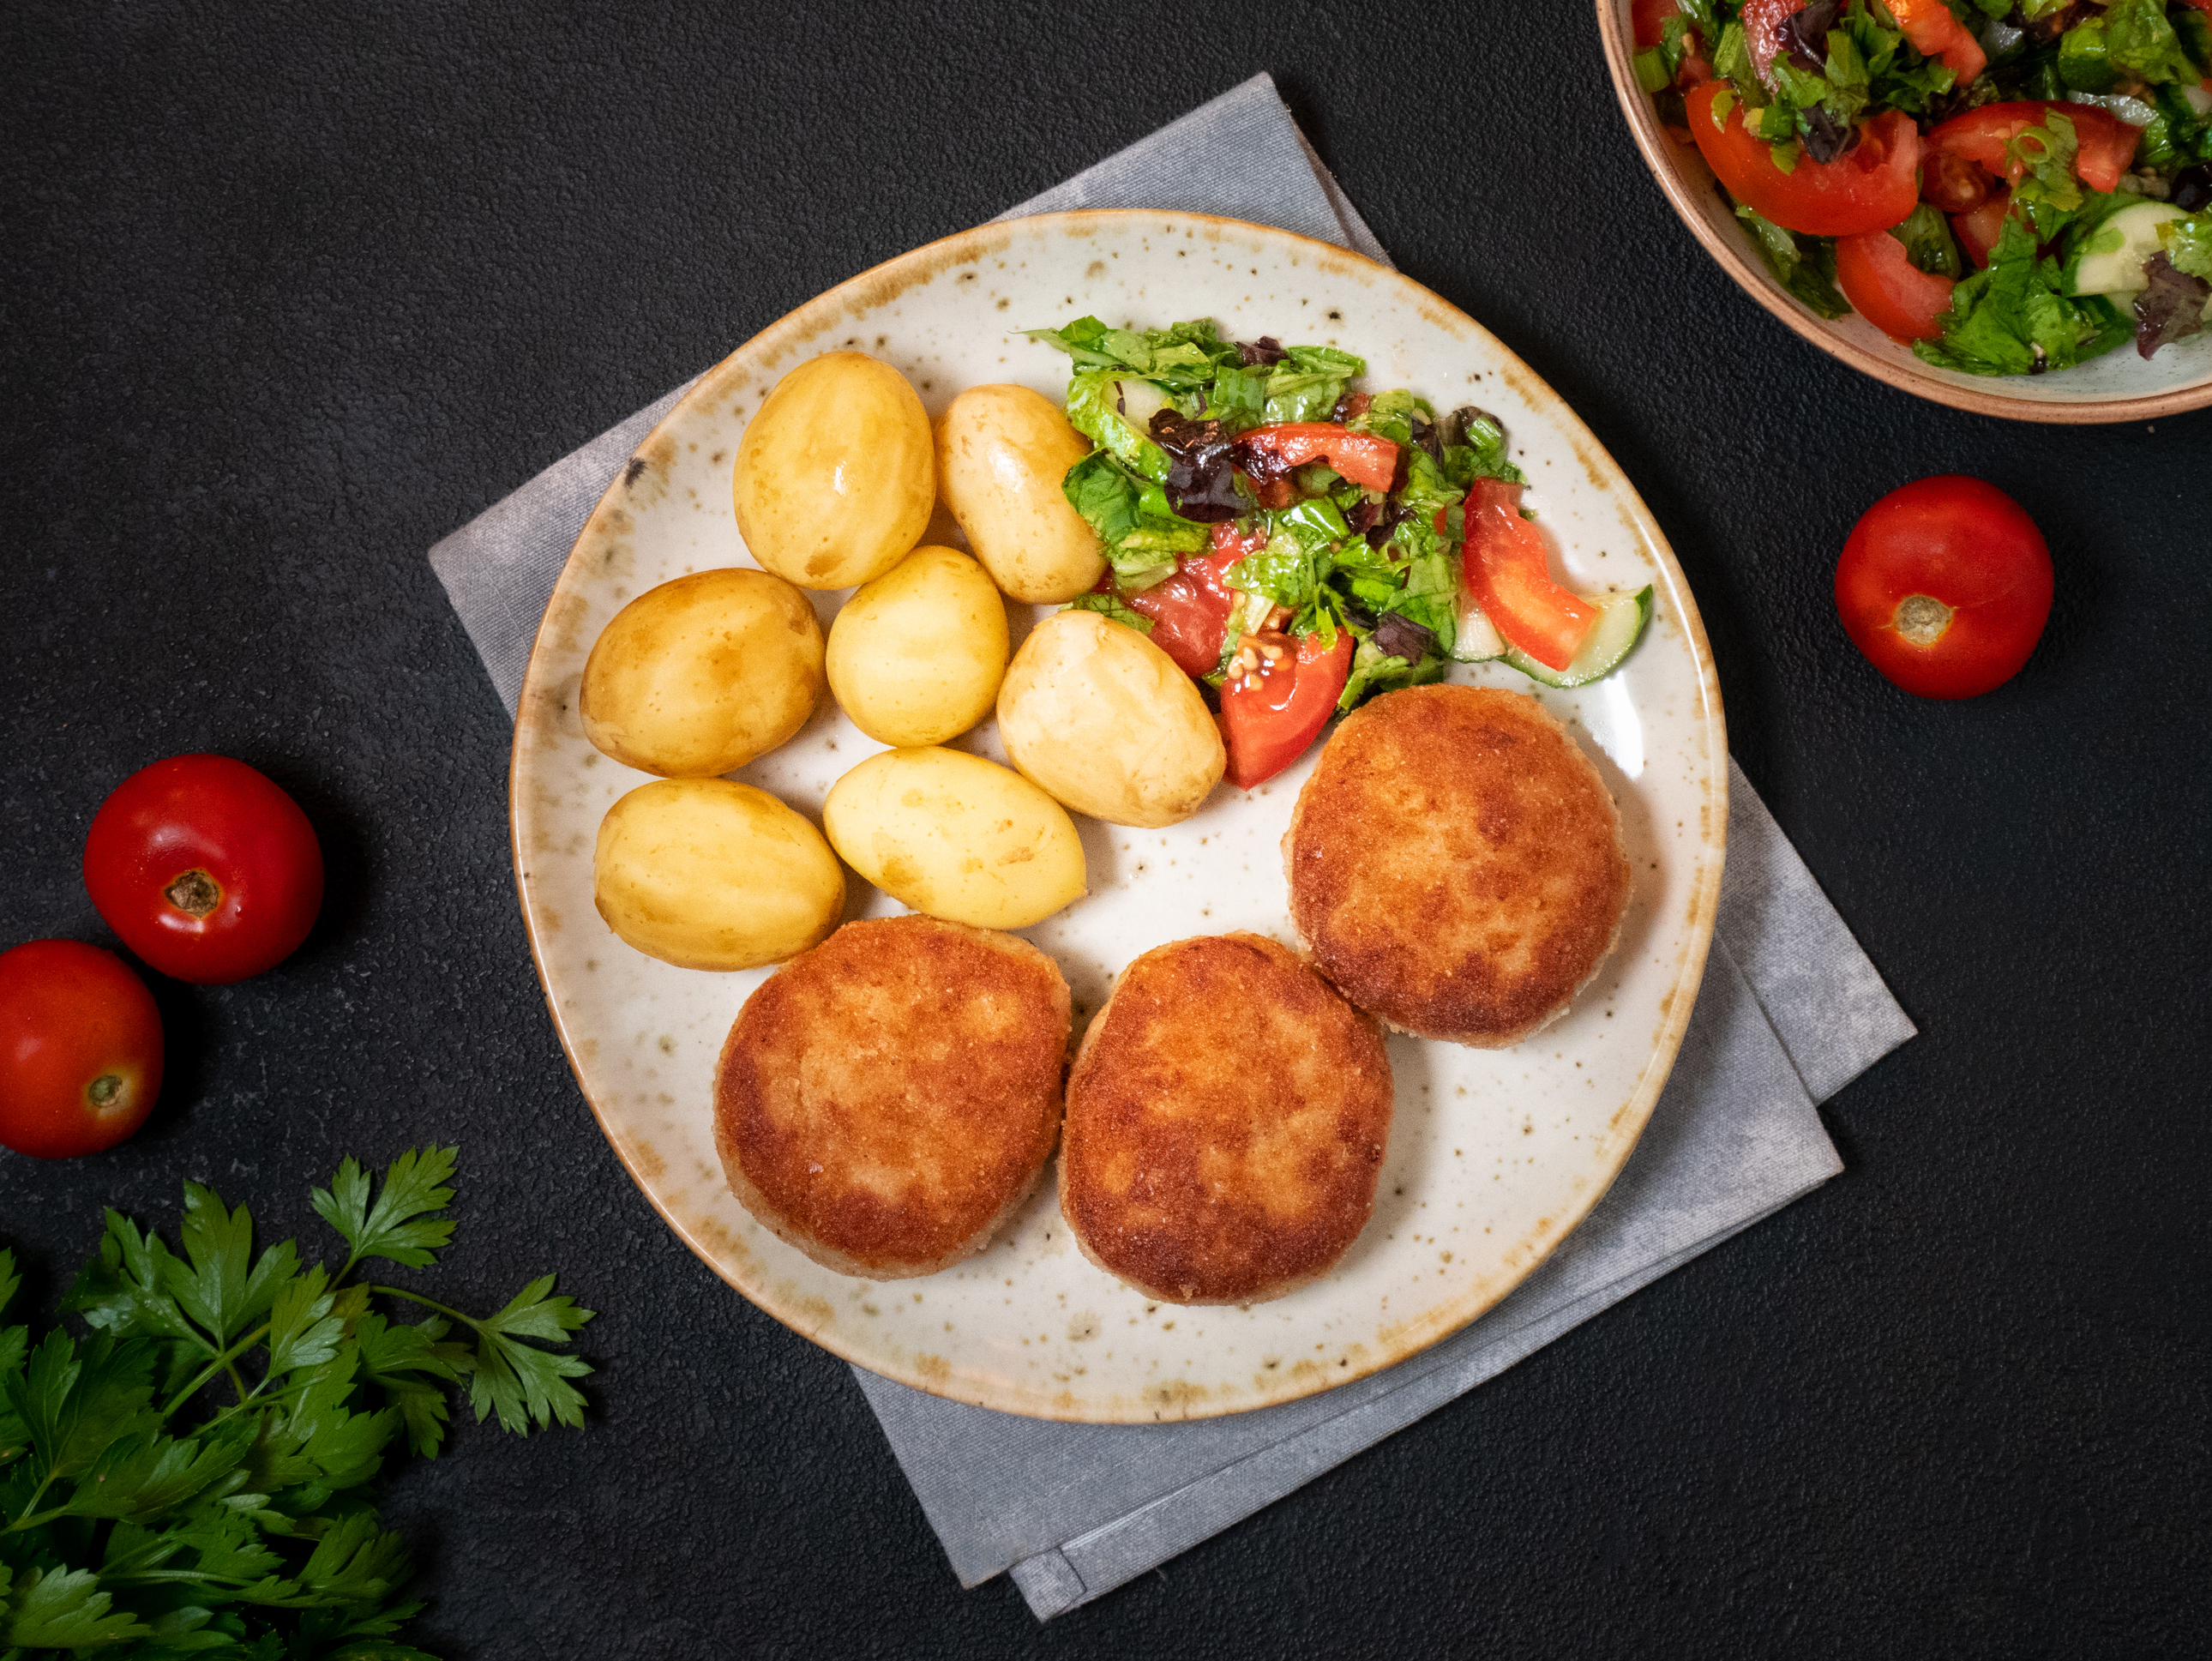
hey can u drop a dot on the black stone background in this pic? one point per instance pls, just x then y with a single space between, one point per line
290 292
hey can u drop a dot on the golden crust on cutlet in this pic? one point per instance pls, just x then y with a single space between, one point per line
1455 864
887 1100
1226 1118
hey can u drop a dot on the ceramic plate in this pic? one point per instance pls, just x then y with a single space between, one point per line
1494 1156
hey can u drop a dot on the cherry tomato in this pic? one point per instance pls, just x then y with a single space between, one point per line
1979 229
1888 289
80 1049
2107 144
1271 715
1363 458
206 869
1945 586
1873 187
1505 569
1930 25
1190 610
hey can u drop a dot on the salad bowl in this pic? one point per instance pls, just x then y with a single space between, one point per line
2117 387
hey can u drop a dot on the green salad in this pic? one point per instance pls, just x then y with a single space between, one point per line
1298 545
2009 188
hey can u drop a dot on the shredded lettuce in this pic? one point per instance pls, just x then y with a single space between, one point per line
1110 605
1805 266
2142 45
2014 319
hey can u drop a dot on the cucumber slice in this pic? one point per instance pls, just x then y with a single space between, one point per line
1619 626
2113 261
1477 639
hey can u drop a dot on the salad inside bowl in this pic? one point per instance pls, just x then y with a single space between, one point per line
2003 188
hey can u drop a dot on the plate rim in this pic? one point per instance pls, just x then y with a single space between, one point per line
816 316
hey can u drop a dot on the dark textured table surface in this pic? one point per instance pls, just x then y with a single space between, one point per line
290 292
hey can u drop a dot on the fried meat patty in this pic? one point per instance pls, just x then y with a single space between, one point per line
887 1100
1455 864
1226 1118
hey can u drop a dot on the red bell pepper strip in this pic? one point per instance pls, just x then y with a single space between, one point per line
1363 458
1505 569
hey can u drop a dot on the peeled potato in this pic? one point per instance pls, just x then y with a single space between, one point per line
699 675
709 873
916 656
834 479
1101 718
1001 453
957 836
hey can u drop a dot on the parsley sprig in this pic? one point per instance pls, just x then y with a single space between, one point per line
189 1478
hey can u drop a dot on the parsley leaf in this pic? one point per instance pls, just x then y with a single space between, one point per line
399 1227
58 1610
524 1384
138 1512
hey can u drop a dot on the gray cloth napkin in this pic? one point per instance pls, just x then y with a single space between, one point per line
1790 1012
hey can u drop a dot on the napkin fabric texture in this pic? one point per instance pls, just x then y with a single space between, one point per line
1790 1012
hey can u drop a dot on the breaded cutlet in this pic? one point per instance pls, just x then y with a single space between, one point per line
1455 864
1226 1118
886 1101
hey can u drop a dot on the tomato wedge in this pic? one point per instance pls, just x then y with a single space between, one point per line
1876 186
1190 610
1270 716
1978 228
2107 145
1930 25
1888 289
1506 571
1363 458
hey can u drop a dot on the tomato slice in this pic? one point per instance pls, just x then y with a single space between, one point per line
1953 183
1190 610
1268 718
1506 571
1363 458
1874 186
1888 289
1978 228
2107 145
1930 25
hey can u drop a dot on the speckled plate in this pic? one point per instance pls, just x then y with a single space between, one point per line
1495 1155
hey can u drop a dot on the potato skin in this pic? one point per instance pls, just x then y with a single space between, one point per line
957 836
699 675
1001 453
710 873
916 656
835 476
1104 720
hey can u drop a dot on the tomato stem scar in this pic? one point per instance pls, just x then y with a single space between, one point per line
104 1089
197 894
1922 619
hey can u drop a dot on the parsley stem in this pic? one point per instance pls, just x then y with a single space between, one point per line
427 1302
220 1364
37 1519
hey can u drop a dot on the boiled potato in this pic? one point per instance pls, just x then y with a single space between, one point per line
1001 453
699 675
1102 718
709 873
916 656
834 480
957 836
